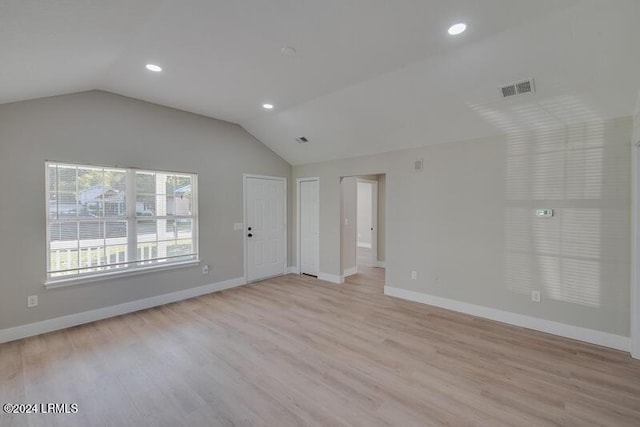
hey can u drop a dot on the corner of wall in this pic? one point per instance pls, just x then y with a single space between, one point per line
636 122
635 273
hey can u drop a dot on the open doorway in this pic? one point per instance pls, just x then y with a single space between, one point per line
363 223
366 222
635 252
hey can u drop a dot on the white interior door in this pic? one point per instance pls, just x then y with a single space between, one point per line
367 218
265 227
309 226
374 223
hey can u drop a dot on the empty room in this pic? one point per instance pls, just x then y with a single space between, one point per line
319 213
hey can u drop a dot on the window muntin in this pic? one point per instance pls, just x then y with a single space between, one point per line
104 220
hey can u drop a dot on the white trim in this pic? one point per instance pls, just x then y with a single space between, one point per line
293 269
556 328
350 271
333 278
70 320
299 181
244 220
61 283
635 251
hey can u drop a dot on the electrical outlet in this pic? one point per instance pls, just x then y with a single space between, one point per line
32 301
205 270
414 275
535 296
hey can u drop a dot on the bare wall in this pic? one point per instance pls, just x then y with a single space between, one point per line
349 222
106 129
467 223
382 219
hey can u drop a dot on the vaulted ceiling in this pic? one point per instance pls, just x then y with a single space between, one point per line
368 76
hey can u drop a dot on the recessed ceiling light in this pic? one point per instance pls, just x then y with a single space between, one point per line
456 29
153 67
267 106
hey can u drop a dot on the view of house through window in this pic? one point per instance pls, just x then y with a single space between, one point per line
103 219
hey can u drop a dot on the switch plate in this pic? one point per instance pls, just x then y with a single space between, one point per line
414 275
205 270
544 213
535 296
32 301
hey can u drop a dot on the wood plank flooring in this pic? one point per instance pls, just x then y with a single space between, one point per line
298 351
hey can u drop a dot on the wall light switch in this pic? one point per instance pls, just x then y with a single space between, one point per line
414 275
205 270
544 213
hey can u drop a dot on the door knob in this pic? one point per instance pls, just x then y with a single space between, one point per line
249 235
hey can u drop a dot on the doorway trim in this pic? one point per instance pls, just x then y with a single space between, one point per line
635 250
244 221
298 266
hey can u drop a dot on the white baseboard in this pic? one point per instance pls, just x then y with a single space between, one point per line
350 271
331 278
70 320
556 328
293 270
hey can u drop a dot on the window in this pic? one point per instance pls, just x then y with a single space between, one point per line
103 220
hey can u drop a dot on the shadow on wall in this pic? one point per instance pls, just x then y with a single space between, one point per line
564 170
556 161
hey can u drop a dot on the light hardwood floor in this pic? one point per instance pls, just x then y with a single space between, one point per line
298 351
364 256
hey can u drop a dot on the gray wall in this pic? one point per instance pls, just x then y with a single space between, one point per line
466 223
382 218
105 129
349 222
635 316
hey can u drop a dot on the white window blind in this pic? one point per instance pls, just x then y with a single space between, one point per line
104 220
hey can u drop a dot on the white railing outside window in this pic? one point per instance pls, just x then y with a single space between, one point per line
102 220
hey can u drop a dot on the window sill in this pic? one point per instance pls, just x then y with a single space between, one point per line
64 282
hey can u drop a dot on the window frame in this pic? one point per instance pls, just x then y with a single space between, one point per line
132 266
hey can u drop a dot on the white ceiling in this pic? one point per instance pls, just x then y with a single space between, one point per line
369 76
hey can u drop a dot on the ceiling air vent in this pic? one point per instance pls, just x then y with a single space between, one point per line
302 140
519 88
